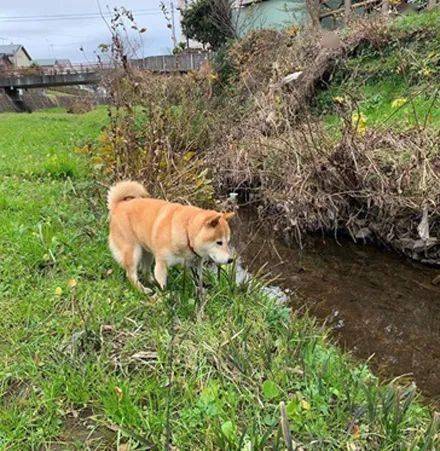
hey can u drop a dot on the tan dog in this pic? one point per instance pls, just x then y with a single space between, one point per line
142 228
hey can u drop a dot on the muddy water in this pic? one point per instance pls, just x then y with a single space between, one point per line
377 303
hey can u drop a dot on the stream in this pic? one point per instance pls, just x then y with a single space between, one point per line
379 305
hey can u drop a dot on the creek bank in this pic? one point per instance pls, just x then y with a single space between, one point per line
40 99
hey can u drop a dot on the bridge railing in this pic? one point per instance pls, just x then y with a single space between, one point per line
54 70
183 62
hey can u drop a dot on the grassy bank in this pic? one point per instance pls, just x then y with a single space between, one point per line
86 361
394 86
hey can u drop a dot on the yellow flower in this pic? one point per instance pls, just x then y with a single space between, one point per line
397 103
305 405
119 392
58 291
72 283
359 122
339 99
188 155
426 72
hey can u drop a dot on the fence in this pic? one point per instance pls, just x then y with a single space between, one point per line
183 62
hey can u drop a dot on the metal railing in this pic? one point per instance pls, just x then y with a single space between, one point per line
54 70
183 62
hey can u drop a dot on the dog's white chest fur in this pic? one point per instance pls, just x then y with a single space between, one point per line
173 259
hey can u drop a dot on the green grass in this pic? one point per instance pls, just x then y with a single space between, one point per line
406 70
98 364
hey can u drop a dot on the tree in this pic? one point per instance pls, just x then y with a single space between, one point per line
209 22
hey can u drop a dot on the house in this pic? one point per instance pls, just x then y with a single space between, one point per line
15 55
276 14
256 14
5 62
57 64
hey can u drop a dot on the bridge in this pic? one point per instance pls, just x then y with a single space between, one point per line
28 81
40 77
14 81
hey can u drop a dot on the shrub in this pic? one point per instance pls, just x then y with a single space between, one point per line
209 22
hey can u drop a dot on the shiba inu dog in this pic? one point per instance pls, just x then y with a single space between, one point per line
142 228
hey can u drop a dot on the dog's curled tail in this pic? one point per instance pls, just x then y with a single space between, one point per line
124 191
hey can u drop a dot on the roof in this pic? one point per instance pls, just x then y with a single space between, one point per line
63 61
52 61
12 49
45 61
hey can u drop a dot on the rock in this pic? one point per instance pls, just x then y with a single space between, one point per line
291 77
423 227
287 79
363 234
330 40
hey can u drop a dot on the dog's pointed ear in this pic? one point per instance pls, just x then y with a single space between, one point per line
213 220
228 215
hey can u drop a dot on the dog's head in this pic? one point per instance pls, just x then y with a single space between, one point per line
213 238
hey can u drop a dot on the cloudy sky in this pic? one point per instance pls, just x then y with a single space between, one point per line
59 28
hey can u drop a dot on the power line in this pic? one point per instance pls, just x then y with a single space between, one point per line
81 16
143 10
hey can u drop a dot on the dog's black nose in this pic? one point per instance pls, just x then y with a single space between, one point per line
230 260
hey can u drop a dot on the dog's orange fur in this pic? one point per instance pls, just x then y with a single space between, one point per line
142 228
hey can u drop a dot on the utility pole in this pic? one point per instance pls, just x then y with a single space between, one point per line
173 24
186 37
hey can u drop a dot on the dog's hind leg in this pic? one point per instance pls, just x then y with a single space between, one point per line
161 273
145 265
131 259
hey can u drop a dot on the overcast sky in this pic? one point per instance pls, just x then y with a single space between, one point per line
59 28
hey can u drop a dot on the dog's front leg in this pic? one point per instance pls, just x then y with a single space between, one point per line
160 273
200 289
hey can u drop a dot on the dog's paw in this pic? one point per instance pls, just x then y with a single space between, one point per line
146 290
154 297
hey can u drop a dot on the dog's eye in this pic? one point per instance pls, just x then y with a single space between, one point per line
220 243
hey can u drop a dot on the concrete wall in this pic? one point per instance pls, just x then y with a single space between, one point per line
275 14
37 99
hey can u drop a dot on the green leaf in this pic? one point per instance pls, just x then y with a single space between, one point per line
270 390
292 408
228 430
